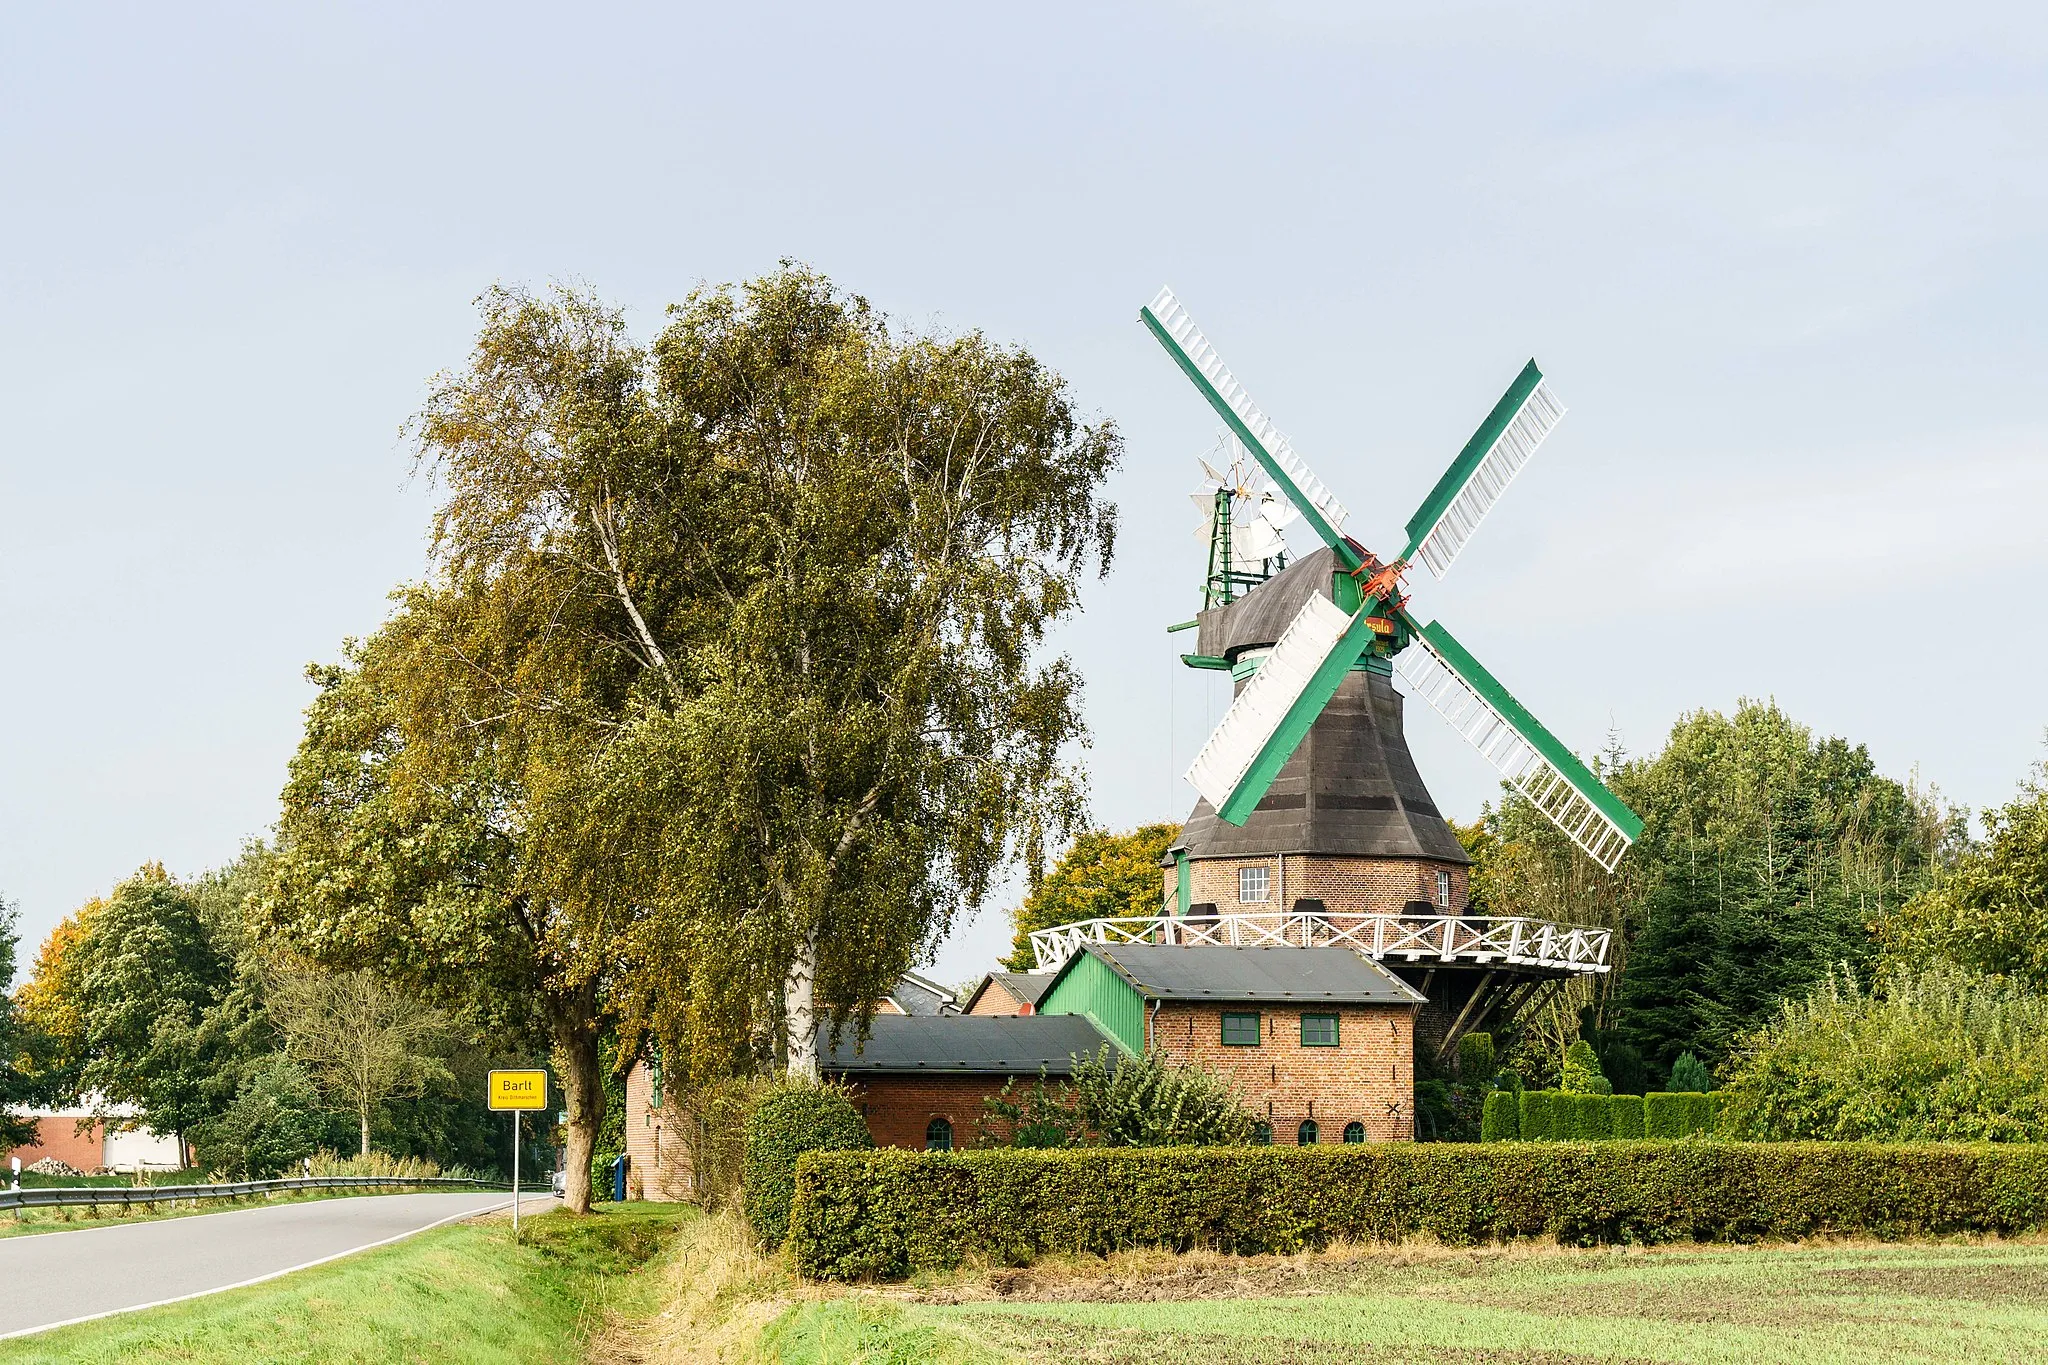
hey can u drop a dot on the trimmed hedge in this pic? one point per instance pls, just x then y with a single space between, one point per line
783 1126
1678 1113
891 1213
1539 1114
1501 1118
1627 1113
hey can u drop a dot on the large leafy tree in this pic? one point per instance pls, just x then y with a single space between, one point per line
1768 852
163 1025
865 730
1100 876
18 1078
1988 911
49 1004
724 694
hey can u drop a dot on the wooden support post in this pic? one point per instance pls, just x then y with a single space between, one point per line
1449 1045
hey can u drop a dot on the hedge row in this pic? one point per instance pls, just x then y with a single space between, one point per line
1554 1115
890 1213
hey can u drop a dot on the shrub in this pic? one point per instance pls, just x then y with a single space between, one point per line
1690 1073
1539 1113
1148 1101
1476 1063
1502 1119
712 1119
1581 1074
893 1213
787 1122
274 1124
329 1162
1043 1115
1930 1054
1626 1113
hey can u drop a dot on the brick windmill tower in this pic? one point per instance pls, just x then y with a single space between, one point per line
1314 825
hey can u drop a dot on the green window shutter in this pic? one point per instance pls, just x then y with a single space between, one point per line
1240 1030
1319 1030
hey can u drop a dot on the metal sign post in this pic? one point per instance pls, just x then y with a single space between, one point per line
518 1091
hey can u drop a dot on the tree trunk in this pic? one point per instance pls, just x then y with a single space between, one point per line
800 1009
576 1056
363 1117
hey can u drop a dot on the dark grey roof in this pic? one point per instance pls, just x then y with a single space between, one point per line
1256 619
981 1045
1027 987
916 994
1351 789
1336 976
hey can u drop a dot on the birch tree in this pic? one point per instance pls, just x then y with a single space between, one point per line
726 689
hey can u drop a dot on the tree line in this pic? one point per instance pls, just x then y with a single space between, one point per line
723 693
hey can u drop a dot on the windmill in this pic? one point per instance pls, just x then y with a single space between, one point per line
1366 622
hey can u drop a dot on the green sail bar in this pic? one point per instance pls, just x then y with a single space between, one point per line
1445 674
1505 441
1176 331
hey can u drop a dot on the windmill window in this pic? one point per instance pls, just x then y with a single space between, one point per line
1308 1134
1254 883
1319 1030
1354 1132
1443 890
1240 1030
938 1135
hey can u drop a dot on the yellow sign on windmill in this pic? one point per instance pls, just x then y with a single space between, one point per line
519 1090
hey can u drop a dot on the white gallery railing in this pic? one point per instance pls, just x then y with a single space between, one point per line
1474 939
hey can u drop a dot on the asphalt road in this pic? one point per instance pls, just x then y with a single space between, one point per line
57 1277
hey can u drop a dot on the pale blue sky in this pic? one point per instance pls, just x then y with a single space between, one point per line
1785 263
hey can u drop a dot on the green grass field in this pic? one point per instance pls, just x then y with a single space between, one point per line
457 1293
1816 1306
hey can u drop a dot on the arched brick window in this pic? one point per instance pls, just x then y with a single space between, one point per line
1308 1134
1354 1131
938 1135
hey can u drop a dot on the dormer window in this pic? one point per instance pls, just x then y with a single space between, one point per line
1254 883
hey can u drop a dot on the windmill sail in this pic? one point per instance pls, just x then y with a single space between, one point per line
1443 674
1489 462
1266 721
1176 331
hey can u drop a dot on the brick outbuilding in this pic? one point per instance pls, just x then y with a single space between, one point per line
922 1082
1321 1041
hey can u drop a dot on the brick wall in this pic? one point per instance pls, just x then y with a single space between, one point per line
898 1108
1381 886
1368 1077
997 1000
658 1165
59 1137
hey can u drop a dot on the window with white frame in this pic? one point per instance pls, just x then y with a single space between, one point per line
1254 883
1443 890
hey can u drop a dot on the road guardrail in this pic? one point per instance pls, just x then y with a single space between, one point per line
121 1196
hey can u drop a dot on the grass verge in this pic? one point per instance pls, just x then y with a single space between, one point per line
456 1293
1842 1303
